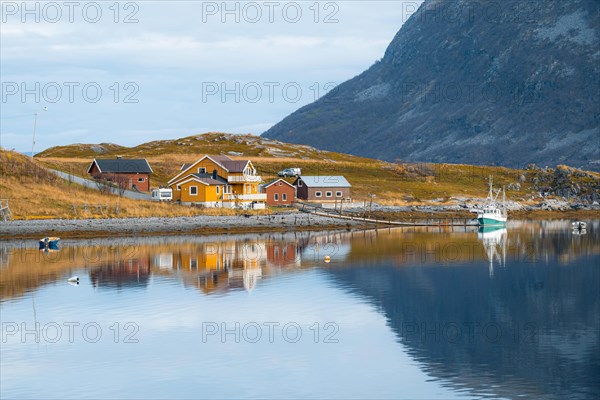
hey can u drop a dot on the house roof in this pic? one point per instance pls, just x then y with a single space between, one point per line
231 165
122 165
324 181
227 163
266 185
204 180
207 178
235 166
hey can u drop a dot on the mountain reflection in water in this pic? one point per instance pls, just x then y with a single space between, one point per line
499 313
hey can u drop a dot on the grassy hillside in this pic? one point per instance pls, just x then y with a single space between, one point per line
392 183
82 150
33 192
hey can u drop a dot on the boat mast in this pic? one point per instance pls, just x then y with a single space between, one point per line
503 201
491 192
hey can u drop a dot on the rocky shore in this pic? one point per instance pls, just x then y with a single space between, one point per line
203 224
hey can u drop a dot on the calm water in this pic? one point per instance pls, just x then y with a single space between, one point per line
395 314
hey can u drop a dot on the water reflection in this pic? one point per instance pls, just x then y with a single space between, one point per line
494 242
503 313
130 273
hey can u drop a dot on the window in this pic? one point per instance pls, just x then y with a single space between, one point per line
299 182
201 170
276 196
194 263
141 179
178 187
217 190
194 190
328 194
318 194
227 189
280 183
284 196
338 194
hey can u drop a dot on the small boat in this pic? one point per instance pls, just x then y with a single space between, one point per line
492 213
49 243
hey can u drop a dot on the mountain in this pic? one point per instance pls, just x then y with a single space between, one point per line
494 83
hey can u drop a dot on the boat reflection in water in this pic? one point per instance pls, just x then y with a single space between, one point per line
493 239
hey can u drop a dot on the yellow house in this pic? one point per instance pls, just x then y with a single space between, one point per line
218 181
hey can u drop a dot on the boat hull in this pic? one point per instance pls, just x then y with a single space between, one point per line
489 221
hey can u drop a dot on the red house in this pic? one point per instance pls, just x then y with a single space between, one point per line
127 173
279 193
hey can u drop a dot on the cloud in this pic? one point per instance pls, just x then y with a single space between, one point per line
169 54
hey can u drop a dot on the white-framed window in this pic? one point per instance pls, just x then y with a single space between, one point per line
193 190
280 183
178 187
276 196
283 196
194 263
201 170
227 189
141 179
318 194
217 190
299 182
328 194
338 194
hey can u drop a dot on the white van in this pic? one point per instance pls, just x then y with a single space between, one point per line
162 194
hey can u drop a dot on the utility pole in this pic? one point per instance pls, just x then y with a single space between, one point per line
34 128
33 139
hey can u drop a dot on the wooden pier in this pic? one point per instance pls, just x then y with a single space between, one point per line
427 222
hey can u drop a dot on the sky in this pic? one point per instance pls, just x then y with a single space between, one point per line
132 72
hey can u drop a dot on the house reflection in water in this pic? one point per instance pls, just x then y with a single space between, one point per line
282 254
229 263
226 265
128 273
220 266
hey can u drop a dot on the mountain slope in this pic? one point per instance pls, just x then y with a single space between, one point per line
464 82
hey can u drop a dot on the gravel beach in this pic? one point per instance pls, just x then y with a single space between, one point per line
203 224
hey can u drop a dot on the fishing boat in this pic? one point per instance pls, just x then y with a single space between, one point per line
492 213
49 243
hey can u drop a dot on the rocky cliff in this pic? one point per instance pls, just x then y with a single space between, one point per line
495 83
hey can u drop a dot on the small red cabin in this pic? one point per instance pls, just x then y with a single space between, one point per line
279 193
127 173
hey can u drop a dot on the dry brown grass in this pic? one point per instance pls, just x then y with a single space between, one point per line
392 183
34 193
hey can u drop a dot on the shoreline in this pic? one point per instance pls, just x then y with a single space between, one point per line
152 226
210 225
